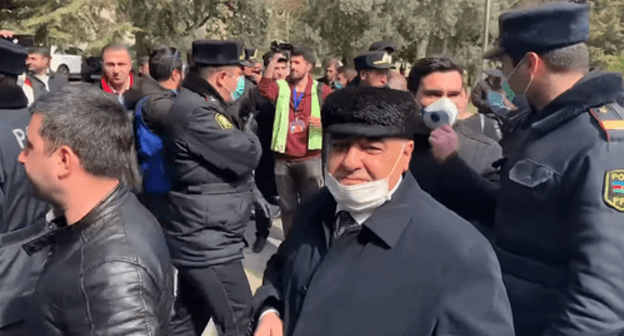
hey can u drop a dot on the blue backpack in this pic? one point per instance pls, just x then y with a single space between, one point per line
150 152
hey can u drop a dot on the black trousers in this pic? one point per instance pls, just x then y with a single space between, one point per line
220 292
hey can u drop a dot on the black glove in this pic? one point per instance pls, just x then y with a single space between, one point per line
250 123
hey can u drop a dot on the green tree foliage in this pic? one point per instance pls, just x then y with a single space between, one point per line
606 42
418 27
95 23
66 22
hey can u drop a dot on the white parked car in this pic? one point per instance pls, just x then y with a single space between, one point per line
66 61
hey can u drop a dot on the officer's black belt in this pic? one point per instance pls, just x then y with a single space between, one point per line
216 188
531 270
23 234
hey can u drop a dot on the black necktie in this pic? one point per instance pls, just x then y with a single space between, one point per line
345 223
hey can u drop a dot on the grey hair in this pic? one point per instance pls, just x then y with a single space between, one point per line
95 126
567 58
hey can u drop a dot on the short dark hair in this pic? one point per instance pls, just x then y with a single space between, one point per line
304 51
428 65
95 126
163 61
39 51
115 46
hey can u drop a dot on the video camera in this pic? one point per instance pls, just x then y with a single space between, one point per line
282 47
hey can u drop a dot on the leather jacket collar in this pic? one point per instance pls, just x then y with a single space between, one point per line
101 211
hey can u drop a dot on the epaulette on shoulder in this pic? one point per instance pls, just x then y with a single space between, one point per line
611 119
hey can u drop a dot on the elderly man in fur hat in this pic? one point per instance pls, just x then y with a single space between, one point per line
373 254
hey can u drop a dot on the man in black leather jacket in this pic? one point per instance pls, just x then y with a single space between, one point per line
108 270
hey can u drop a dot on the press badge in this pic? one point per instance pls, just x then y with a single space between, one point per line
297 126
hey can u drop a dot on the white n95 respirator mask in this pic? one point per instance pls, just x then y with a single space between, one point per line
442 112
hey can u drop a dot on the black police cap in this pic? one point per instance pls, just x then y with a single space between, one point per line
373 60
370 112
213 52
12 58
383 46
251 53
540 29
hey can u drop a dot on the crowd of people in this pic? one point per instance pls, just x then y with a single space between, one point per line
123 203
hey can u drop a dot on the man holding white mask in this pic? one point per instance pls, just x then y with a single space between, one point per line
373 254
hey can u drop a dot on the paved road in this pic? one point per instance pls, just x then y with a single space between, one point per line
255 263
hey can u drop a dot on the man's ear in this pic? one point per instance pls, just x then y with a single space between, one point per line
533 62
67 161
407 152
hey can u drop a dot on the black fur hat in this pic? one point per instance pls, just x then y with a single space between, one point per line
370 112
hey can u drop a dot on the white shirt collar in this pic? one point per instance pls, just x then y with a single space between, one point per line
361 217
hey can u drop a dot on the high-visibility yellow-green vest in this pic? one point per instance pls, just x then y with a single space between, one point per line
281 124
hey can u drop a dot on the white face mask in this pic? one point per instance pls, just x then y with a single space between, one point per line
361 197
442 112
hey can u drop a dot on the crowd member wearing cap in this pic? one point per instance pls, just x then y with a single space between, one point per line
22 216
150 99
109 270
373 254
297 133
212 159
386 46
40 78
117 75
559 212
373 68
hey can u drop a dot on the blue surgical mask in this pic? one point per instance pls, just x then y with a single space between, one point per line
508 90
240 89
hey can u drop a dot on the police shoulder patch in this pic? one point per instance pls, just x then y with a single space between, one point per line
614 189
223 121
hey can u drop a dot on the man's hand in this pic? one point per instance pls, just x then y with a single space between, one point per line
444 142
6 33
270 325
315 122
268 71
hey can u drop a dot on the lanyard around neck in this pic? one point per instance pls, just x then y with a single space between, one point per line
297 98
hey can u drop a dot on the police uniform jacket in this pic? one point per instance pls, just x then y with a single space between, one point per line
559 224
415 268
107 274
22 216
212 163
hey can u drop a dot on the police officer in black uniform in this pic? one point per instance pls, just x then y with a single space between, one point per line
213 157
373 68
21 215
559 220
